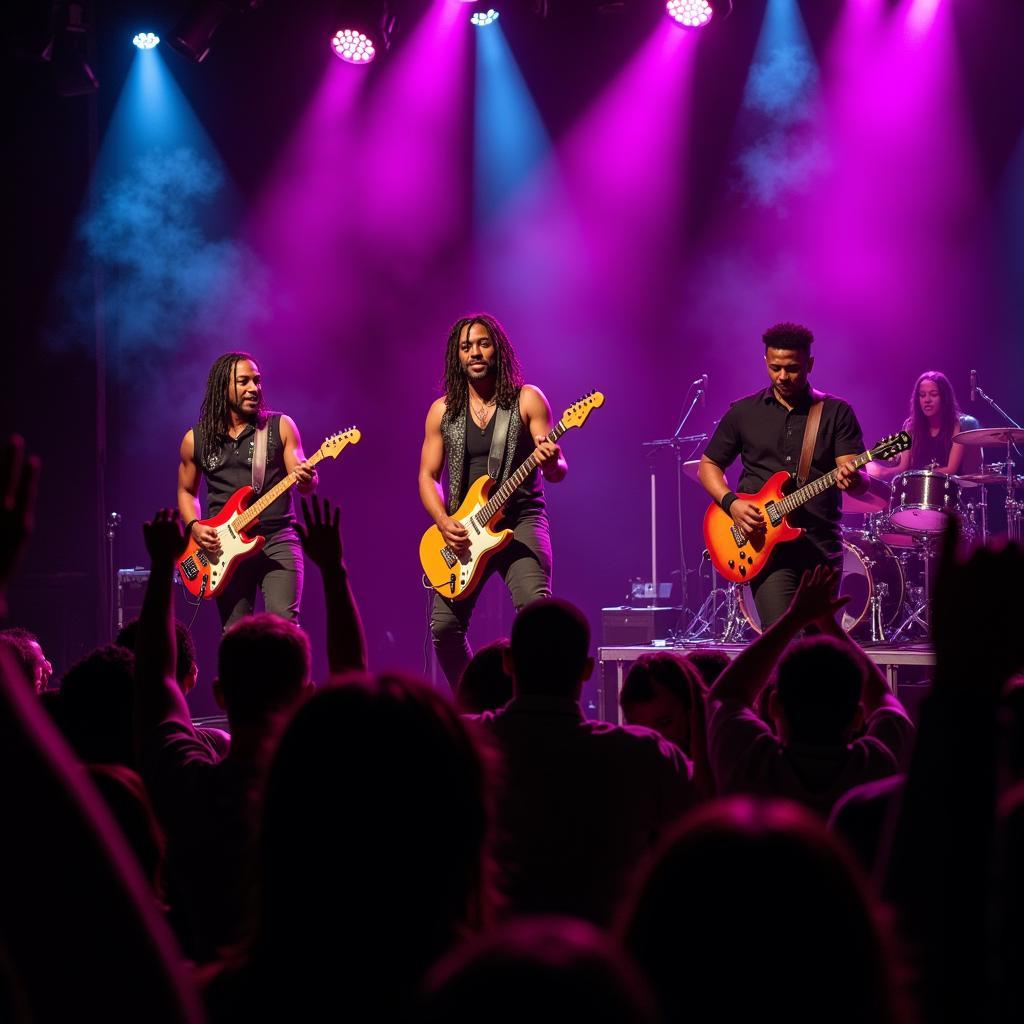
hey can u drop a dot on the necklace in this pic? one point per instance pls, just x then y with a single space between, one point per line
481 416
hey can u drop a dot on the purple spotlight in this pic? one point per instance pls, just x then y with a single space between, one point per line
689 13
353 46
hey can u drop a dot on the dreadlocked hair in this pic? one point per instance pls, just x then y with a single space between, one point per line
456 384
215 412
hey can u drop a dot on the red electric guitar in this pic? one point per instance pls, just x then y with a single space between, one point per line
740 558
204 577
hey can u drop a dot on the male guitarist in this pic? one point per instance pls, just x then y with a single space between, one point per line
487 422
222 447
766 430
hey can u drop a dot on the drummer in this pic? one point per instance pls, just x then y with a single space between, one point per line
934 418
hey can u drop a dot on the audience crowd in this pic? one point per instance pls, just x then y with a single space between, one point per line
767 835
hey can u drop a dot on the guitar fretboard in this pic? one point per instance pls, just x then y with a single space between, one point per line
505 491
816 487
243 519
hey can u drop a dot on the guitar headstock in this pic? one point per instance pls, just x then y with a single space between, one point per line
337 443
577 413
891 446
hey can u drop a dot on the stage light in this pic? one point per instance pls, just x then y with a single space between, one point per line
146 40
353 46
484 17
689 13
191 36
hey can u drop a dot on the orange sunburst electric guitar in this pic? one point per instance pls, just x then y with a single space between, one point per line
201 575
455 576
740 558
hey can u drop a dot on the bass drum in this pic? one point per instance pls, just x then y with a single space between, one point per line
867 564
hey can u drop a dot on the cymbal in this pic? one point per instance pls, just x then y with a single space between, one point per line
690 470
989 435
874 499
971 480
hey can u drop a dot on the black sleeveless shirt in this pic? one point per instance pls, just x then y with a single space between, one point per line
230 467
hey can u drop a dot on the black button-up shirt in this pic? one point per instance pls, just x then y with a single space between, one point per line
768 437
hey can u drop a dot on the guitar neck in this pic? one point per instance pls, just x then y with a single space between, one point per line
816 487
505 491
243 519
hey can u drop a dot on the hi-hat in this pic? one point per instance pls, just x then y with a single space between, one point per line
989 435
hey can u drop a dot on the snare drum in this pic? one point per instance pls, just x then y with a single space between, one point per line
868 567
922 500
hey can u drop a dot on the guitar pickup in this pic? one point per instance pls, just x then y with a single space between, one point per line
773 513
201 556
737 535
449 558
189 568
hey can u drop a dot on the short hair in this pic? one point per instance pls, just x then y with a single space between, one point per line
263 665
818 683
97 697
673 672
549 647
484 684
710 664
19 642
129 637
789 336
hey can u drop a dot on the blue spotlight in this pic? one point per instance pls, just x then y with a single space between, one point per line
479 18
146 40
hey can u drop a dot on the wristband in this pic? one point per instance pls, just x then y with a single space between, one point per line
188 529
727 499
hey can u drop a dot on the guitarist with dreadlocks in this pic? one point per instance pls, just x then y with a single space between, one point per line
487 422
221 449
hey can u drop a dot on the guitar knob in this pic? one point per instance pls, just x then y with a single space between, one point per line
743 570
732 564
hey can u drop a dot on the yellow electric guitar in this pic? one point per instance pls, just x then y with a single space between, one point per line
457 575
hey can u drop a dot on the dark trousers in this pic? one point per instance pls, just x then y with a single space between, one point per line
276 570
774 587
525 566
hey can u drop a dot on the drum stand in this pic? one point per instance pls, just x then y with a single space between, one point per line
721 601
920 613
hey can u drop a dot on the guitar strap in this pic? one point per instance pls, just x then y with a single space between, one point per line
810 436
496 456
259 456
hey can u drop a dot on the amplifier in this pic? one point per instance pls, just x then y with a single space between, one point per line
631 627
130 585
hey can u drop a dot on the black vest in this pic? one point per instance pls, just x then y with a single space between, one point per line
230 467
528 498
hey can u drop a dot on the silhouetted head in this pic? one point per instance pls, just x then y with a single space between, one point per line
485 685
817 692
186 669
750 905
27 651
263 667
659 693
543 968
374 844
549 649
96 702
709 663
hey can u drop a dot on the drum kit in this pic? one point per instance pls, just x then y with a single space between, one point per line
889 561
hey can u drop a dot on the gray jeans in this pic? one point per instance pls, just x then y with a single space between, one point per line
276 570
525 566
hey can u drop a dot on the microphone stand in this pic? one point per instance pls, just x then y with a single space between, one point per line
676 443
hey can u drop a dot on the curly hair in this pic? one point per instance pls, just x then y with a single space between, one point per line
215 412
949 412
788 336
456 384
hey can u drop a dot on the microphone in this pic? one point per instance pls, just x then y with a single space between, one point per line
702 383
974 383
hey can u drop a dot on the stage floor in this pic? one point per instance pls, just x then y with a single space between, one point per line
614 662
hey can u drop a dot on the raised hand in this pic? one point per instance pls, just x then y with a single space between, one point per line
18 479
814 599
165 541
321 534
977 614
